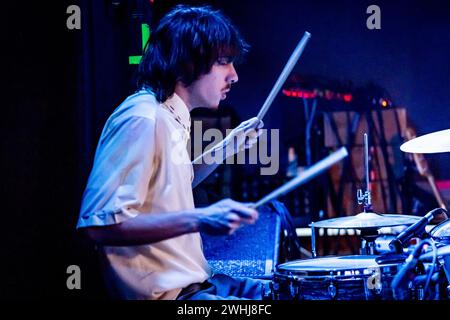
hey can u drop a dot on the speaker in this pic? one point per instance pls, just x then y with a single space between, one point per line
252 251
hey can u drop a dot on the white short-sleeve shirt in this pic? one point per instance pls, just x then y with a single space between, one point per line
141 167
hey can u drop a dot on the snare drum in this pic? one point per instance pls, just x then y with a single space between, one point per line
441 232
355 277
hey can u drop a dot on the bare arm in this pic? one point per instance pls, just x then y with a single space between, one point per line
223 217
242 137
205 164
144 229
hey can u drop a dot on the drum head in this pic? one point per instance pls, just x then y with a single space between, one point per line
342 265
441 232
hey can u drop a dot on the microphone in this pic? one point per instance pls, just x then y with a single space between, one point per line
413 230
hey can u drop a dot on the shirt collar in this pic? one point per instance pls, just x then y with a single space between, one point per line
180 110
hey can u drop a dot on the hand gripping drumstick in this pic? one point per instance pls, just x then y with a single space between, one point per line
284 74
305 176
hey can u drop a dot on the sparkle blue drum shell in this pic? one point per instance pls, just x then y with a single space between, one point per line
441 232
355 277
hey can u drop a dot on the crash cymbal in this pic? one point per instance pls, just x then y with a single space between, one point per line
435 142
442 251
366 220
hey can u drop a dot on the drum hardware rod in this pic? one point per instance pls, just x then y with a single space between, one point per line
368 241
284 74
313 241
366 198
366 155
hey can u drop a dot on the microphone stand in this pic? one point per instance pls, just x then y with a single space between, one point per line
409 274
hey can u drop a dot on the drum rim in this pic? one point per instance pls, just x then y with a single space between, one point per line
334 272
437 228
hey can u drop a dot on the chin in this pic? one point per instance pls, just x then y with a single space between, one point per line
213 106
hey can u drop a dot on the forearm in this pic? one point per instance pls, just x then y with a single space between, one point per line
202 171
146 229
243 136
205 164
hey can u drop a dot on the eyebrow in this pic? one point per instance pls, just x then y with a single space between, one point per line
228 59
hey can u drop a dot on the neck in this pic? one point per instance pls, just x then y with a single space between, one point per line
183 93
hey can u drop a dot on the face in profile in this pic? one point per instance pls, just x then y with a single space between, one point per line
211 88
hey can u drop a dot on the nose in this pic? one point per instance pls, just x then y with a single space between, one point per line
232 75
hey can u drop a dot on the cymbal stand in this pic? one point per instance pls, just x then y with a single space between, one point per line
368 236
368 241
365 198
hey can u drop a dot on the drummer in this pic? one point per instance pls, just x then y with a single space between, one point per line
138 204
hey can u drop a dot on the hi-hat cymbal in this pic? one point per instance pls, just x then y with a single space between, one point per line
442 251
435 142
366 220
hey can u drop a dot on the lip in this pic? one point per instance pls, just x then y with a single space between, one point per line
224 93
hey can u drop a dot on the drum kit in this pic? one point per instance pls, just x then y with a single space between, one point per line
401 271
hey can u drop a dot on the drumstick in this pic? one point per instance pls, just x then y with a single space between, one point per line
284 74
305 176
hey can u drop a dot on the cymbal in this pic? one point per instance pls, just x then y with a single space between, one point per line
435 142
366 220
442 251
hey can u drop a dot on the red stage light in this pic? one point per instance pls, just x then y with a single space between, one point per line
327 94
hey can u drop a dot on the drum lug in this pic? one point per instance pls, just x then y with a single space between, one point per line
377 290
420 293
374 283
332 290
274 289
294 290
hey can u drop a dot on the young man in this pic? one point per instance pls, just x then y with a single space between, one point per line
138 204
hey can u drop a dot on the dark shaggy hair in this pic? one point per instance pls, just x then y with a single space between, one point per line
184 46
